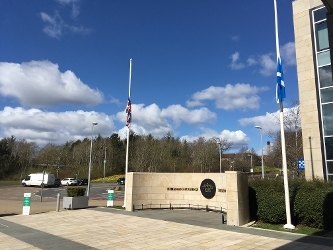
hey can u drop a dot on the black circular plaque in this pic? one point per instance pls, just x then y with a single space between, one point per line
208 188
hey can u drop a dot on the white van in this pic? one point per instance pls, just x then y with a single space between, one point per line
36 179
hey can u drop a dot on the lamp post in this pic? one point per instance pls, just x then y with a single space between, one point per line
218 141
104 164
91 144
262 154
251 169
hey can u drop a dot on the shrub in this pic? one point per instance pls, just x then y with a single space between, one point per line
311 202
75 191
269 196
314 204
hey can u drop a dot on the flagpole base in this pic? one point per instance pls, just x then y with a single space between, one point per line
289 226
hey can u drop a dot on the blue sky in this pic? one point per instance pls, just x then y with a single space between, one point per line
200 68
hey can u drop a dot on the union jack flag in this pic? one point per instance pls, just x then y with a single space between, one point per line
129 112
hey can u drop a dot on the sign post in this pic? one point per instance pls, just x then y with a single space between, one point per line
26 203
110 198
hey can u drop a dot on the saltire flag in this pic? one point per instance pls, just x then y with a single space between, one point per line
129 112
280 88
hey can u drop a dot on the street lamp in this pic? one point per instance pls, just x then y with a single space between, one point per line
251 170
91 144
218 141
104 164
262 153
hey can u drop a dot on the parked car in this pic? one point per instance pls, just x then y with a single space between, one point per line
57 182
82 182
69 182
121 181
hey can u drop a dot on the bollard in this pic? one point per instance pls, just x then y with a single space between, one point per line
58 202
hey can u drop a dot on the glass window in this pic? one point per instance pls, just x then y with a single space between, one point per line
325 76
319 14
326 95
324 58
330 177
322 36
328 122
330 167
329 150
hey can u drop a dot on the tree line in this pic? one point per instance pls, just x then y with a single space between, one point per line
146 154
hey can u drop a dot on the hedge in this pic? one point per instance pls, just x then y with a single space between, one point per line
311 202
75 191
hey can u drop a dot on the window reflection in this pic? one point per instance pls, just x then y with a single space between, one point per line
326 95
320 14
329 150
328 119
325 76
322 36
330 167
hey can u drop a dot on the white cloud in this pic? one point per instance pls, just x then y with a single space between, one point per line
288 54
268 61
67 1
269 122
268 64
251 61
75 10
40 84
235 38
234 62
153 120
55 25
237 138
44 127
238 96
178 113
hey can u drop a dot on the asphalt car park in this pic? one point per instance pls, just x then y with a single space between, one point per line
98 191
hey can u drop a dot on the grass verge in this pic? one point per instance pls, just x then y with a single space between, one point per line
9 183
300 229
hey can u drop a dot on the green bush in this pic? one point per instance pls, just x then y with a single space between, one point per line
75 191
311 202
314 204
269 196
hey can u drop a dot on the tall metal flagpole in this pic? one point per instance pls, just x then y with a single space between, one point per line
128 132
283 144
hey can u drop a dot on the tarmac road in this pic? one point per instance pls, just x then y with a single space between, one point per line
11 198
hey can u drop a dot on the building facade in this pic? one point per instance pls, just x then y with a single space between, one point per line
315 84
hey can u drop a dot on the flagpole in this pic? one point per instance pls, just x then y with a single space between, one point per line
283 144
128 132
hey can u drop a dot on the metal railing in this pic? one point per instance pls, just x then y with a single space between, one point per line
171 206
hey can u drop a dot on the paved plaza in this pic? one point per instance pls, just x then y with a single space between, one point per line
107 228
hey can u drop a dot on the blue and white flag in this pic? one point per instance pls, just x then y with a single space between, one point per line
280 88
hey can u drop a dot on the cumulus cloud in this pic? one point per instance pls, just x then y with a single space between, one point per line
40 84
57 127
238 138
238 96
270 122
153 120
234 62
